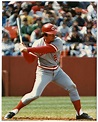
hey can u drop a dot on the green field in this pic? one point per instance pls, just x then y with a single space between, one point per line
49 107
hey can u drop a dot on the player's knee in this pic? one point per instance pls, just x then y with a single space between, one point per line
29 98
72 87
73 93
35 96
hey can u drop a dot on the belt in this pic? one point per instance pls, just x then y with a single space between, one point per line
48 68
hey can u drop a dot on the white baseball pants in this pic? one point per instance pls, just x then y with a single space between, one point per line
44 77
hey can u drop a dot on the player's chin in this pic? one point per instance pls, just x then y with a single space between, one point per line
49 41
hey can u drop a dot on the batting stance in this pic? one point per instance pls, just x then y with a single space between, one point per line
47 50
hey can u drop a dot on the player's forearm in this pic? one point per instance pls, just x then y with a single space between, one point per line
29 57
42 49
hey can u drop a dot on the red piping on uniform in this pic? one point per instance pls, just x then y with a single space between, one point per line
48 68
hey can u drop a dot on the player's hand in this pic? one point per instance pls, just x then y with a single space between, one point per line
22 47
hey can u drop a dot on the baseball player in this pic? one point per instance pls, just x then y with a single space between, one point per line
47 50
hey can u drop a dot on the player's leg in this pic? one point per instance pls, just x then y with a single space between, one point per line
65 81
42 79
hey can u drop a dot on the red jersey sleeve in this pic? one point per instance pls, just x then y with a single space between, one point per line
42 49
29 57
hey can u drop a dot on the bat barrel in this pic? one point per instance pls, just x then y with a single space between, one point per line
19 28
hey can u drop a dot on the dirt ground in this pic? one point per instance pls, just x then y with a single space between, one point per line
43 119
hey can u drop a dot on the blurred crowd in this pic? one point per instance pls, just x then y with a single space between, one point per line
76 22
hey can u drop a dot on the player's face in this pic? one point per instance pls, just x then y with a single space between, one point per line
49 37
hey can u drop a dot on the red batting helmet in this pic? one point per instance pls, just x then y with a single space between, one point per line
49 28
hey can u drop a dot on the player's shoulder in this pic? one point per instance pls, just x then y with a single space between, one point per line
38 42
58 43
58 39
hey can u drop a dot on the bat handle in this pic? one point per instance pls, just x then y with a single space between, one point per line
20 39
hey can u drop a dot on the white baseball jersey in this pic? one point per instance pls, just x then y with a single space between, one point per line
49 59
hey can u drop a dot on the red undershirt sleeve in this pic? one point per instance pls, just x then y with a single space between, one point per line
43 49
29 57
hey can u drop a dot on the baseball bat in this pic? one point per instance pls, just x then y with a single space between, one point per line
19 28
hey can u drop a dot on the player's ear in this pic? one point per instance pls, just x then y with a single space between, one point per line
43 34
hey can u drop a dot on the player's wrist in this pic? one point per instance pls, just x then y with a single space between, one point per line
22 48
